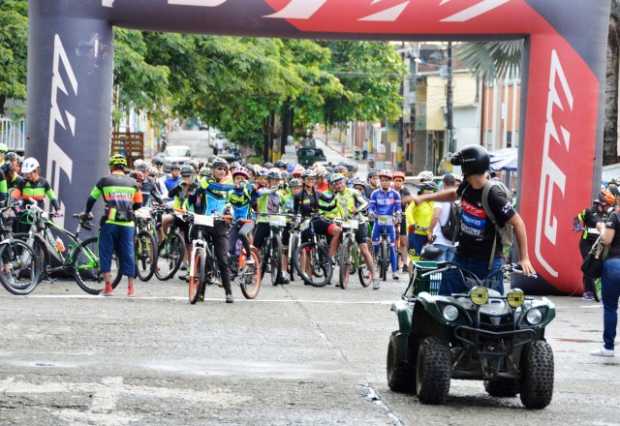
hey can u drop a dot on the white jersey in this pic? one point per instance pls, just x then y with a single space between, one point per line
444 216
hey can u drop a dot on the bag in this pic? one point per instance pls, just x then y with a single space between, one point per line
452 227
592 266
505 232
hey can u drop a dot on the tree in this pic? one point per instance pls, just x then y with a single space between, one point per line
13 50
610 138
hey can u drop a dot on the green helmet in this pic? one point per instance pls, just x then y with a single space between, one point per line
118 160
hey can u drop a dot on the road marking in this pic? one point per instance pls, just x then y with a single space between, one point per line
179 298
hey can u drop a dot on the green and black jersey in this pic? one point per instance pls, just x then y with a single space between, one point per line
121 195
36 191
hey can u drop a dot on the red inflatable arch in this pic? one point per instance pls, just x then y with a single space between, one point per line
70 84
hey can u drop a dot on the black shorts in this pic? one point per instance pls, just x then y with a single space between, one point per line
321 227
221 229
361 235
261 234
183 227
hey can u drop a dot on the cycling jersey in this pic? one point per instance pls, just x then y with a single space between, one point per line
121 196
306 203
384 203
348 201
287 201
420 217
3 188
328 206
171 182
241 201
36 191
267 202
180 194
150 192
211 197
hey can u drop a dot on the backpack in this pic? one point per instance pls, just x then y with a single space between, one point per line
505 232
452 227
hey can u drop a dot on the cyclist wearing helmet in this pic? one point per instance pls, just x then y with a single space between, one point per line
34 187
386 208
479 239
405 199
121 196
421 220
322 183
211 198
11 169
174 178
373 183
349 202
298 172
146 183
241 200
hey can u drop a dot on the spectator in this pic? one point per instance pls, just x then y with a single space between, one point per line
442 211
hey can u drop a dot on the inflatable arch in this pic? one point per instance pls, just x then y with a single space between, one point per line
70 67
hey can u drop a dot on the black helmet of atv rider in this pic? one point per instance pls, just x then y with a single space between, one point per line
473 159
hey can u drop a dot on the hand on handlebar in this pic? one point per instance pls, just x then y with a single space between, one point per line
527 268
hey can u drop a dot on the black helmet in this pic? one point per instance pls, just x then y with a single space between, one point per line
473 159
268 165
218 162
281 164
187 170
428 187
158 160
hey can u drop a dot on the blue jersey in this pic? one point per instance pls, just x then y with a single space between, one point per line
211 198
384 203
171 183
241 199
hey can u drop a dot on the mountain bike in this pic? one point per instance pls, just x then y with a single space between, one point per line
18 272
171 250
246 270
349 256
311 257
383 257
145 244
272 251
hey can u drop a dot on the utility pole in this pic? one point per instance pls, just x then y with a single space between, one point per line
450 103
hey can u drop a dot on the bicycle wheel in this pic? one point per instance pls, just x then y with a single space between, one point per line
18 268
249 275
345 263
86 267
146 255
275 260
41 258
197 277
362 270
320 273
170 255
293 243
384 257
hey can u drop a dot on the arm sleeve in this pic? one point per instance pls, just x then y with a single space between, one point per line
137 198
501 206
92 198
361 201
4 190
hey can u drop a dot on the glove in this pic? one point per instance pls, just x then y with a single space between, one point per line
86 217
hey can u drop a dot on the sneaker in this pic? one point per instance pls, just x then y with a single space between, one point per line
282 281
603 352
405 269
107 290
130 291
376 284
395 277
230 298
588 295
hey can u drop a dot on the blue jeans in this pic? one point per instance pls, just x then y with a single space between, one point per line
452 281
120 240
448 253
611 294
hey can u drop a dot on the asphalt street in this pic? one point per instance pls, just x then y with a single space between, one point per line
297 355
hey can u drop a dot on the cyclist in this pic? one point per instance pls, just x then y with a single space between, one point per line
174 178
479 238
322 183
121 196
11 169
241 200
374 183
211 198
349 202
405 199
146 184
421 220
385 207
34 187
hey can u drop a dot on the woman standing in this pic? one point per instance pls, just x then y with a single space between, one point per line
610 231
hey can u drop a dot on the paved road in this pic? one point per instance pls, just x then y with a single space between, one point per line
298 355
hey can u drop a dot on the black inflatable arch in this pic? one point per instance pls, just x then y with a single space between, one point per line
71 65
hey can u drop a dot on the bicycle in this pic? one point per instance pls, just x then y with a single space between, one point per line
18 272
171 251
79 259
383 258
272 251
145 244
203 268
246 269
349 256
316 253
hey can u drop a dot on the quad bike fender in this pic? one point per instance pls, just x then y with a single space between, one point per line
404 313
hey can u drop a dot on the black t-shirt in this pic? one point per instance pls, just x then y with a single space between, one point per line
477 231
613 222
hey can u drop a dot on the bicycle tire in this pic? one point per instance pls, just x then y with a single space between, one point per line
362 270
383 260
170 257
196 287
17 253
320 253
86 267
345 264
275 260
144 269
250 274
293 243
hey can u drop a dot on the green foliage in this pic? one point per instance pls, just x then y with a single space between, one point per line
13 49
492 59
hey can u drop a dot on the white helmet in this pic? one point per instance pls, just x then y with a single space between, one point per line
30 165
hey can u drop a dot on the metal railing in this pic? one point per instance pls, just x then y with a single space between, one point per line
13 134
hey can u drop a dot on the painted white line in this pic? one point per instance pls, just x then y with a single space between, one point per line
474 11
184 299
598 306
387 15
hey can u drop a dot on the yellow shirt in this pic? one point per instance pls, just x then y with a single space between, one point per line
420 217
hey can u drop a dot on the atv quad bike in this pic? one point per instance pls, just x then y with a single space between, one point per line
480 335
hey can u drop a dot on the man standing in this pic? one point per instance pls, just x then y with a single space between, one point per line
405 199
479 242
445 220
121 196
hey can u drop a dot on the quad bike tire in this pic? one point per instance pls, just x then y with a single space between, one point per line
537 375
433 371
502 388
400 374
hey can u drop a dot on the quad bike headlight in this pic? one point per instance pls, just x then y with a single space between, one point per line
479 296
515 298
534 316
450 313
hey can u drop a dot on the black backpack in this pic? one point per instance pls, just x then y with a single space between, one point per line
452 227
